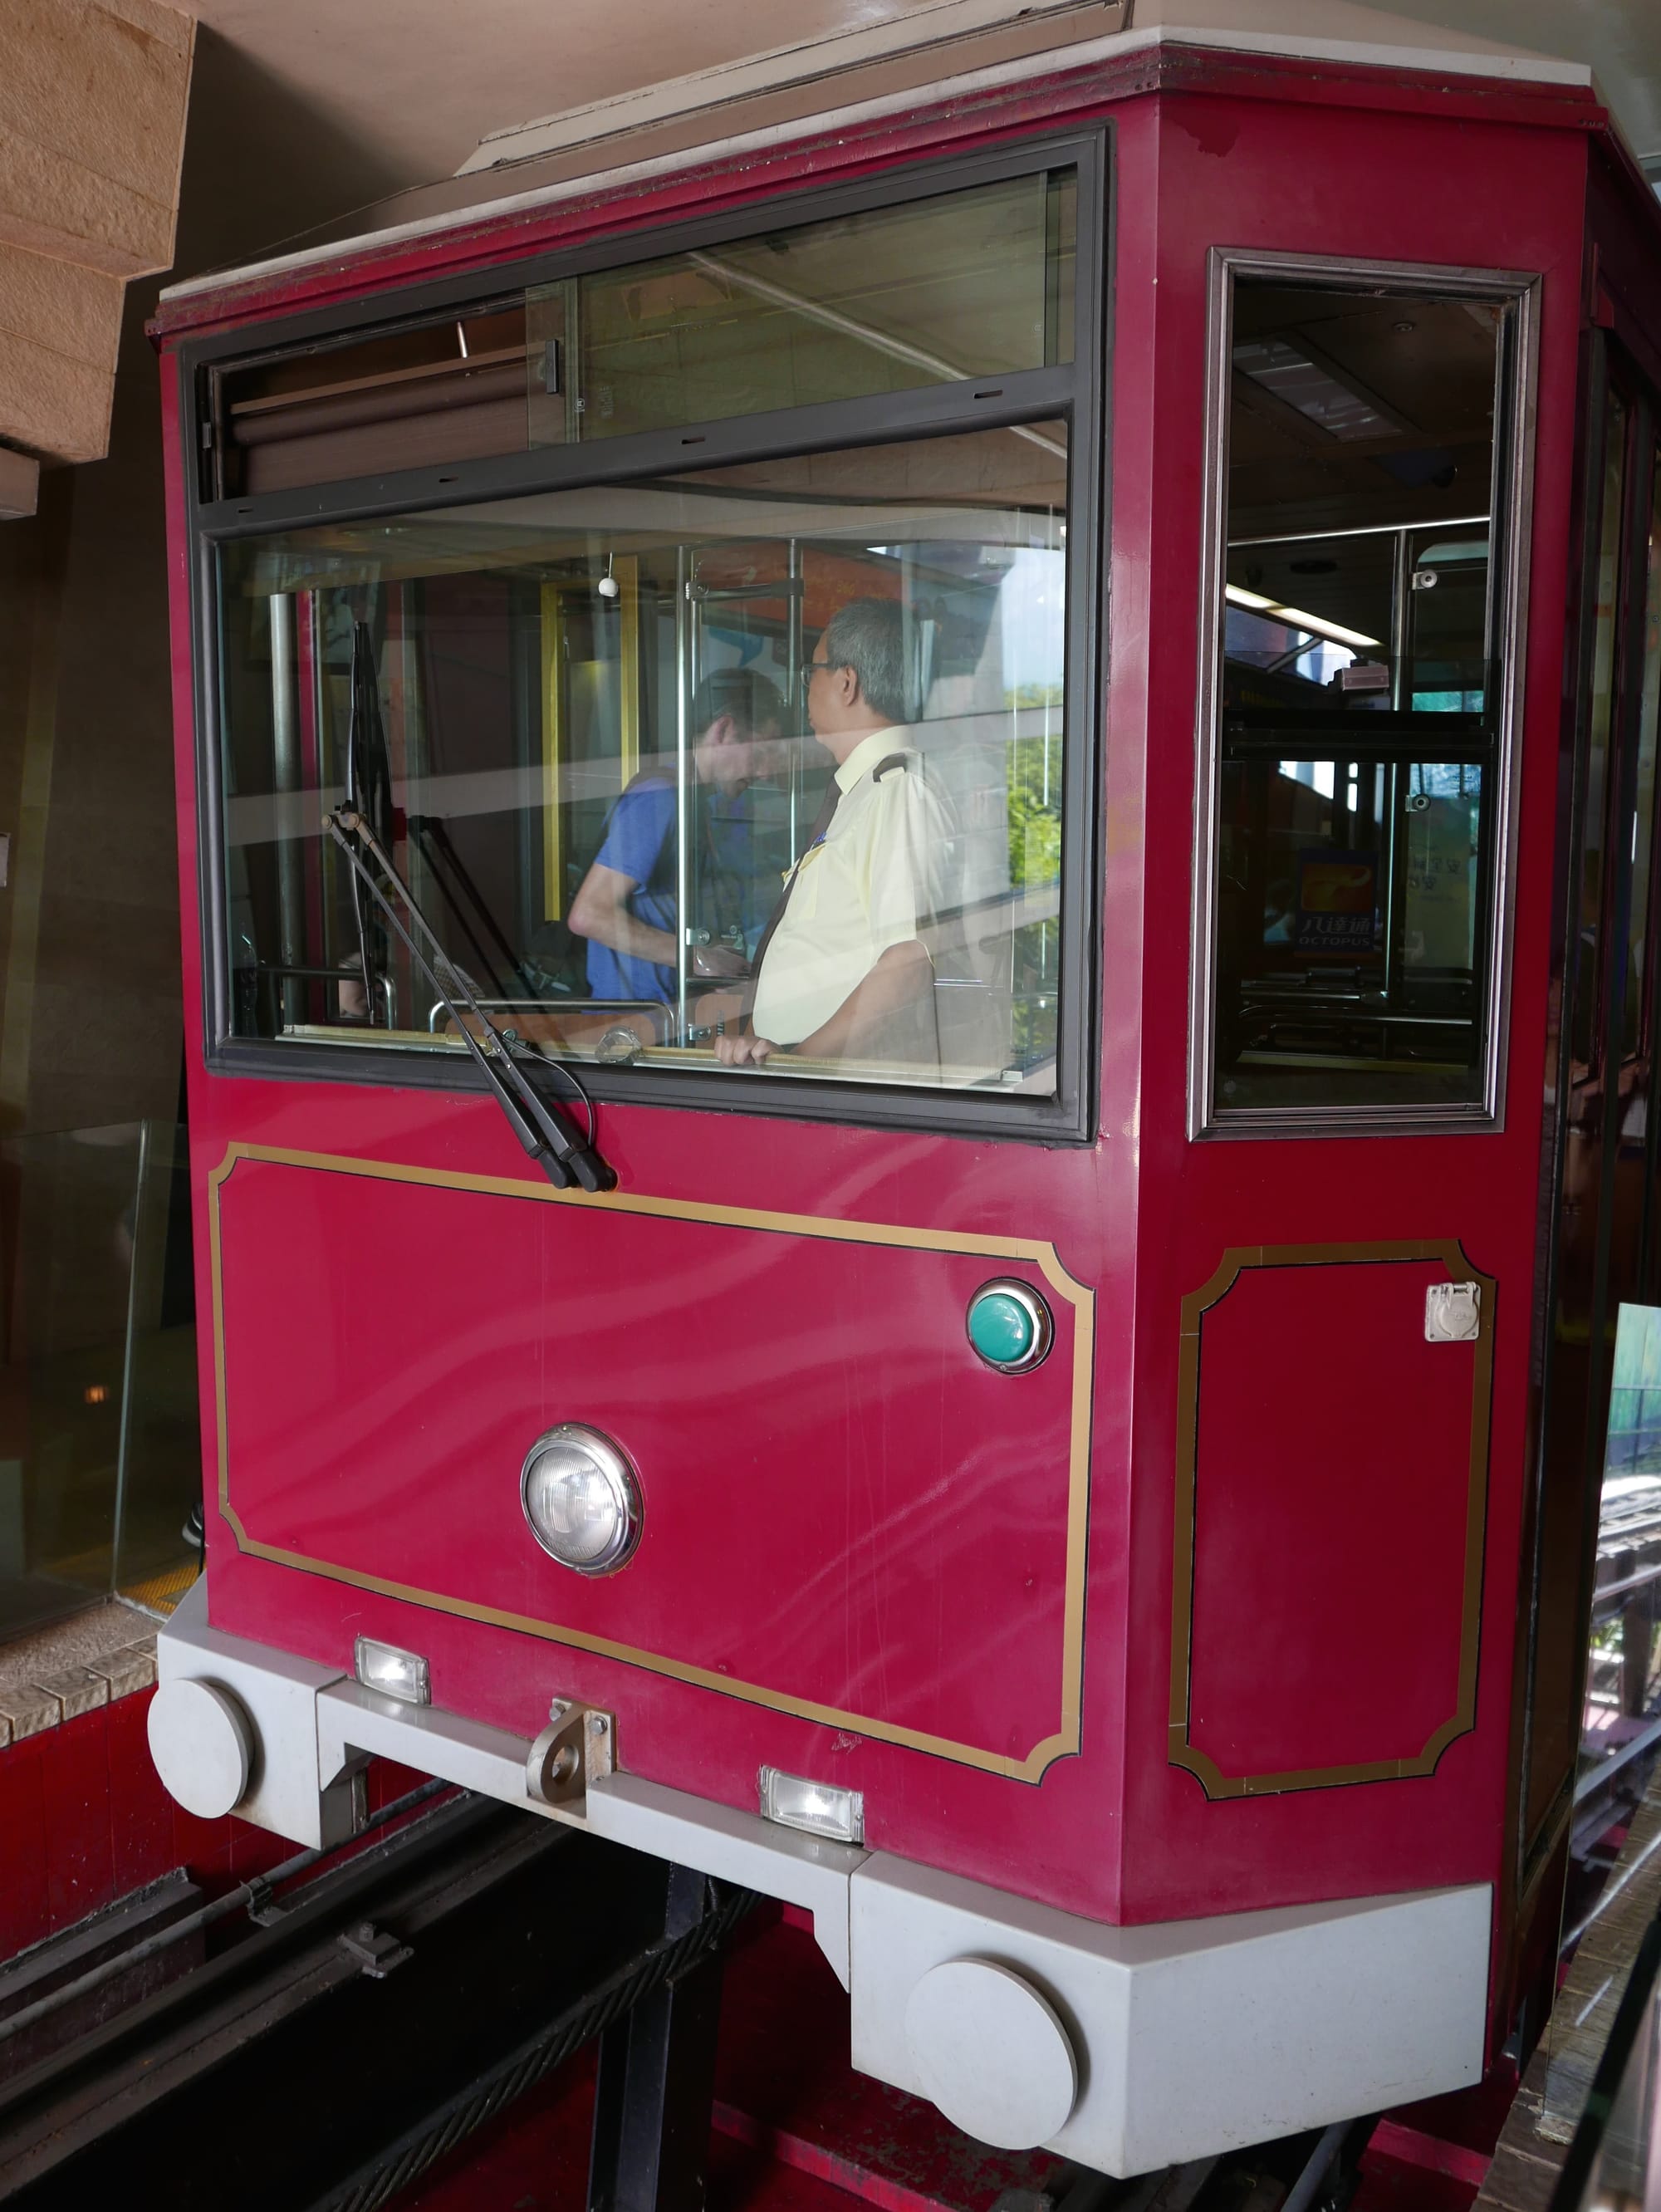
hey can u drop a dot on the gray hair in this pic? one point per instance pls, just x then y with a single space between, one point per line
868 636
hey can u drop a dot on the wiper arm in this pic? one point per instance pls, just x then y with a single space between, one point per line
562 1154
454 879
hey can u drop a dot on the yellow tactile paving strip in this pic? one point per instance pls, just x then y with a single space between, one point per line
162 1593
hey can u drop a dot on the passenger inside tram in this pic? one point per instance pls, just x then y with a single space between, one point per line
844 970
627 905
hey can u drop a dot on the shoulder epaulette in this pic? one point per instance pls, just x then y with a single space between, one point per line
894 760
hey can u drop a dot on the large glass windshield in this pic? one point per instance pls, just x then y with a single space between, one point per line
758 766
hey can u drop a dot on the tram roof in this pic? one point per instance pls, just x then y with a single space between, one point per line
944 49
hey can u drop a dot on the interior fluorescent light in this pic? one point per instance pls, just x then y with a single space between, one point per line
1298 618
1314 391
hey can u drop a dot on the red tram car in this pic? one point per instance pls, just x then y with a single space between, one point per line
919 804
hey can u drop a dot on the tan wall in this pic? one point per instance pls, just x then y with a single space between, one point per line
93 97
105 1028
90 1017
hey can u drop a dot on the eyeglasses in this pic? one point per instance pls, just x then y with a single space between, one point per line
811 669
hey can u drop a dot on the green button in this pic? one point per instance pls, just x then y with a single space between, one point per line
1000 1328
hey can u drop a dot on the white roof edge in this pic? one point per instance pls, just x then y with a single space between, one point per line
776 70
1493 63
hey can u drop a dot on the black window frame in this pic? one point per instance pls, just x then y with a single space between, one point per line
1076 393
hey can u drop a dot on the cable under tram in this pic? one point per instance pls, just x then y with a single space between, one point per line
917 827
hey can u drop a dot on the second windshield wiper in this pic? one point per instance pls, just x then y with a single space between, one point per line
564 1155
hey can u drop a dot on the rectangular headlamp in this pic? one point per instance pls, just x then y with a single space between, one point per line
395 1674
813 1807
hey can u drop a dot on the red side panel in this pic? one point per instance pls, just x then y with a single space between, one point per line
1329 1537
863 1522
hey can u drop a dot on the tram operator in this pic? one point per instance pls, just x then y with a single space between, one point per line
841 969
625 904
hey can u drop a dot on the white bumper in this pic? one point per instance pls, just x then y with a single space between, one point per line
1158 2043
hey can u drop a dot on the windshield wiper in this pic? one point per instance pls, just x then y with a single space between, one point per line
564 1155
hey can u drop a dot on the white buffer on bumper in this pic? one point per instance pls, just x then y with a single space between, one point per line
1125 2048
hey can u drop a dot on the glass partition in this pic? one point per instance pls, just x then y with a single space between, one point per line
1357 697
1613 2162
100 1449
758 765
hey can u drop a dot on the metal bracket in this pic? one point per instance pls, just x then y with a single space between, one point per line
263 1908
578 1744
376 1951
1453 1313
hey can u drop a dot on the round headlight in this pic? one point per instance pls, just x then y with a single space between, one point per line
581 1499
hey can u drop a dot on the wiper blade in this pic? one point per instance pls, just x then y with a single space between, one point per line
564 1155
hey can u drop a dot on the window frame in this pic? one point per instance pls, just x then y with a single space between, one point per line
1076 393
1511 508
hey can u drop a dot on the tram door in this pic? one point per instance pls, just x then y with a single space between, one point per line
1594 1683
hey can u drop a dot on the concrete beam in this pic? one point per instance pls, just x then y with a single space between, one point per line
19 495
93 99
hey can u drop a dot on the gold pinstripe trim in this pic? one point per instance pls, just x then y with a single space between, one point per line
1462 1719
1063 1741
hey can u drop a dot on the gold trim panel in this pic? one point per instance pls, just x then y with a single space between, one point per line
1215 1783
1063 1742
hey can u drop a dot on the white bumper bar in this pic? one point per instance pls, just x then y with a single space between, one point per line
1125 2048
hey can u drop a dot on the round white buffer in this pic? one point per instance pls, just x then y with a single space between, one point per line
990 2053
203 1743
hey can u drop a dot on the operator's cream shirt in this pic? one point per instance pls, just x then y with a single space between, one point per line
874 879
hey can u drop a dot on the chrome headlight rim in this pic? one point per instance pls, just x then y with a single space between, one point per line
621 1480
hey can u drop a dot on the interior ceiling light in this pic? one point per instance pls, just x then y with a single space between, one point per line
1298 618
1313 391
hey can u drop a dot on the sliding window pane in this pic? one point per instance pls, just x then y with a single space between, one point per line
972 283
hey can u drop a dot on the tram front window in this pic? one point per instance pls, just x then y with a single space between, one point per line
663 762
1358 700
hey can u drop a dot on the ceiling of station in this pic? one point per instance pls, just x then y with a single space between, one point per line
304 111
1620 38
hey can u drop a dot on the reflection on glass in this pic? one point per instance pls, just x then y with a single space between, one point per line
969 284
1347 933
1354 837
609 766
1643 822
1619 1693
1613 2162
1588 975
1621 1715
100 1454
972 283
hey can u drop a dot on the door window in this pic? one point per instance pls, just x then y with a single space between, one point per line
1354 795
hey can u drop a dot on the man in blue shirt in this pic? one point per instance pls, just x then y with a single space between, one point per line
626 905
